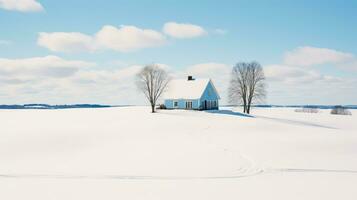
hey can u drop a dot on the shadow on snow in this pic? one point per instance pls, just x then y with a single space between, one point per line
295 122
229 112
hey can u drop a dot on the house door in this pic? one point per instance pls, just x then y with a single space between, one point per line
205 105
189 105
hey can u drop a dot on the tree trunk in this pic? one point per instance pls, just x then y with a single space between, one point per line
152 108
250 100
244 106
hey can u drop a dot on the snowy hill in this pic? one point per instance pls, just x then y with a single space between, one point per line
129 153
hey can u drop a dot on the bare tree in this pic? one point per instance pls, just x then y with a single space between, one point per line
152 81
247 85
238 85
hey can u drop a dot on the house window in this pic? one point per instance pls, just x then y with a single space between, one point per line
175 104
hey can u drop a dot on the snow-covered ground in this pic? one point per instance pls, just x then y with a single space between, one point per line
129 153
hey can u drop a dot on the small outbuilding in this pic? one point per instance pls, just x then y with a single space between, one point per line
192 94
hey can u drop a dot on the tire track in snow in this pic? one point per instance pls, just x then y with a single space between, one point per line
250 169
242 172
122 177
277 170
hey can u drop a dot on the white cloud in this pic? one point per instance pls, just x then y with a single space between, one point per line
181 30
66 42
296 85
106 86
296 81
349 66
40 62
285 84
308 56
55 80
292 75
128 38
48 66
52 79
106 76
123 39
21 5
38 80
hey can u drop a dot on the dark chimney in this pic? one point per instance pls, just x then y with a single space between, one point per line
190 78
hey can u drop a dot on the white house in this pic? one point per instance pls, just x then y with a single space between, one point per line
190 93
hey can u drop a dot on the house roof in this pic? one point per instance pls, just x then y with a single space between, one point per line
184 89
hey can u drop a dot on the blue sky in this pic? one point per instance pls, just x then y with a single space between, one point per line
222 33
